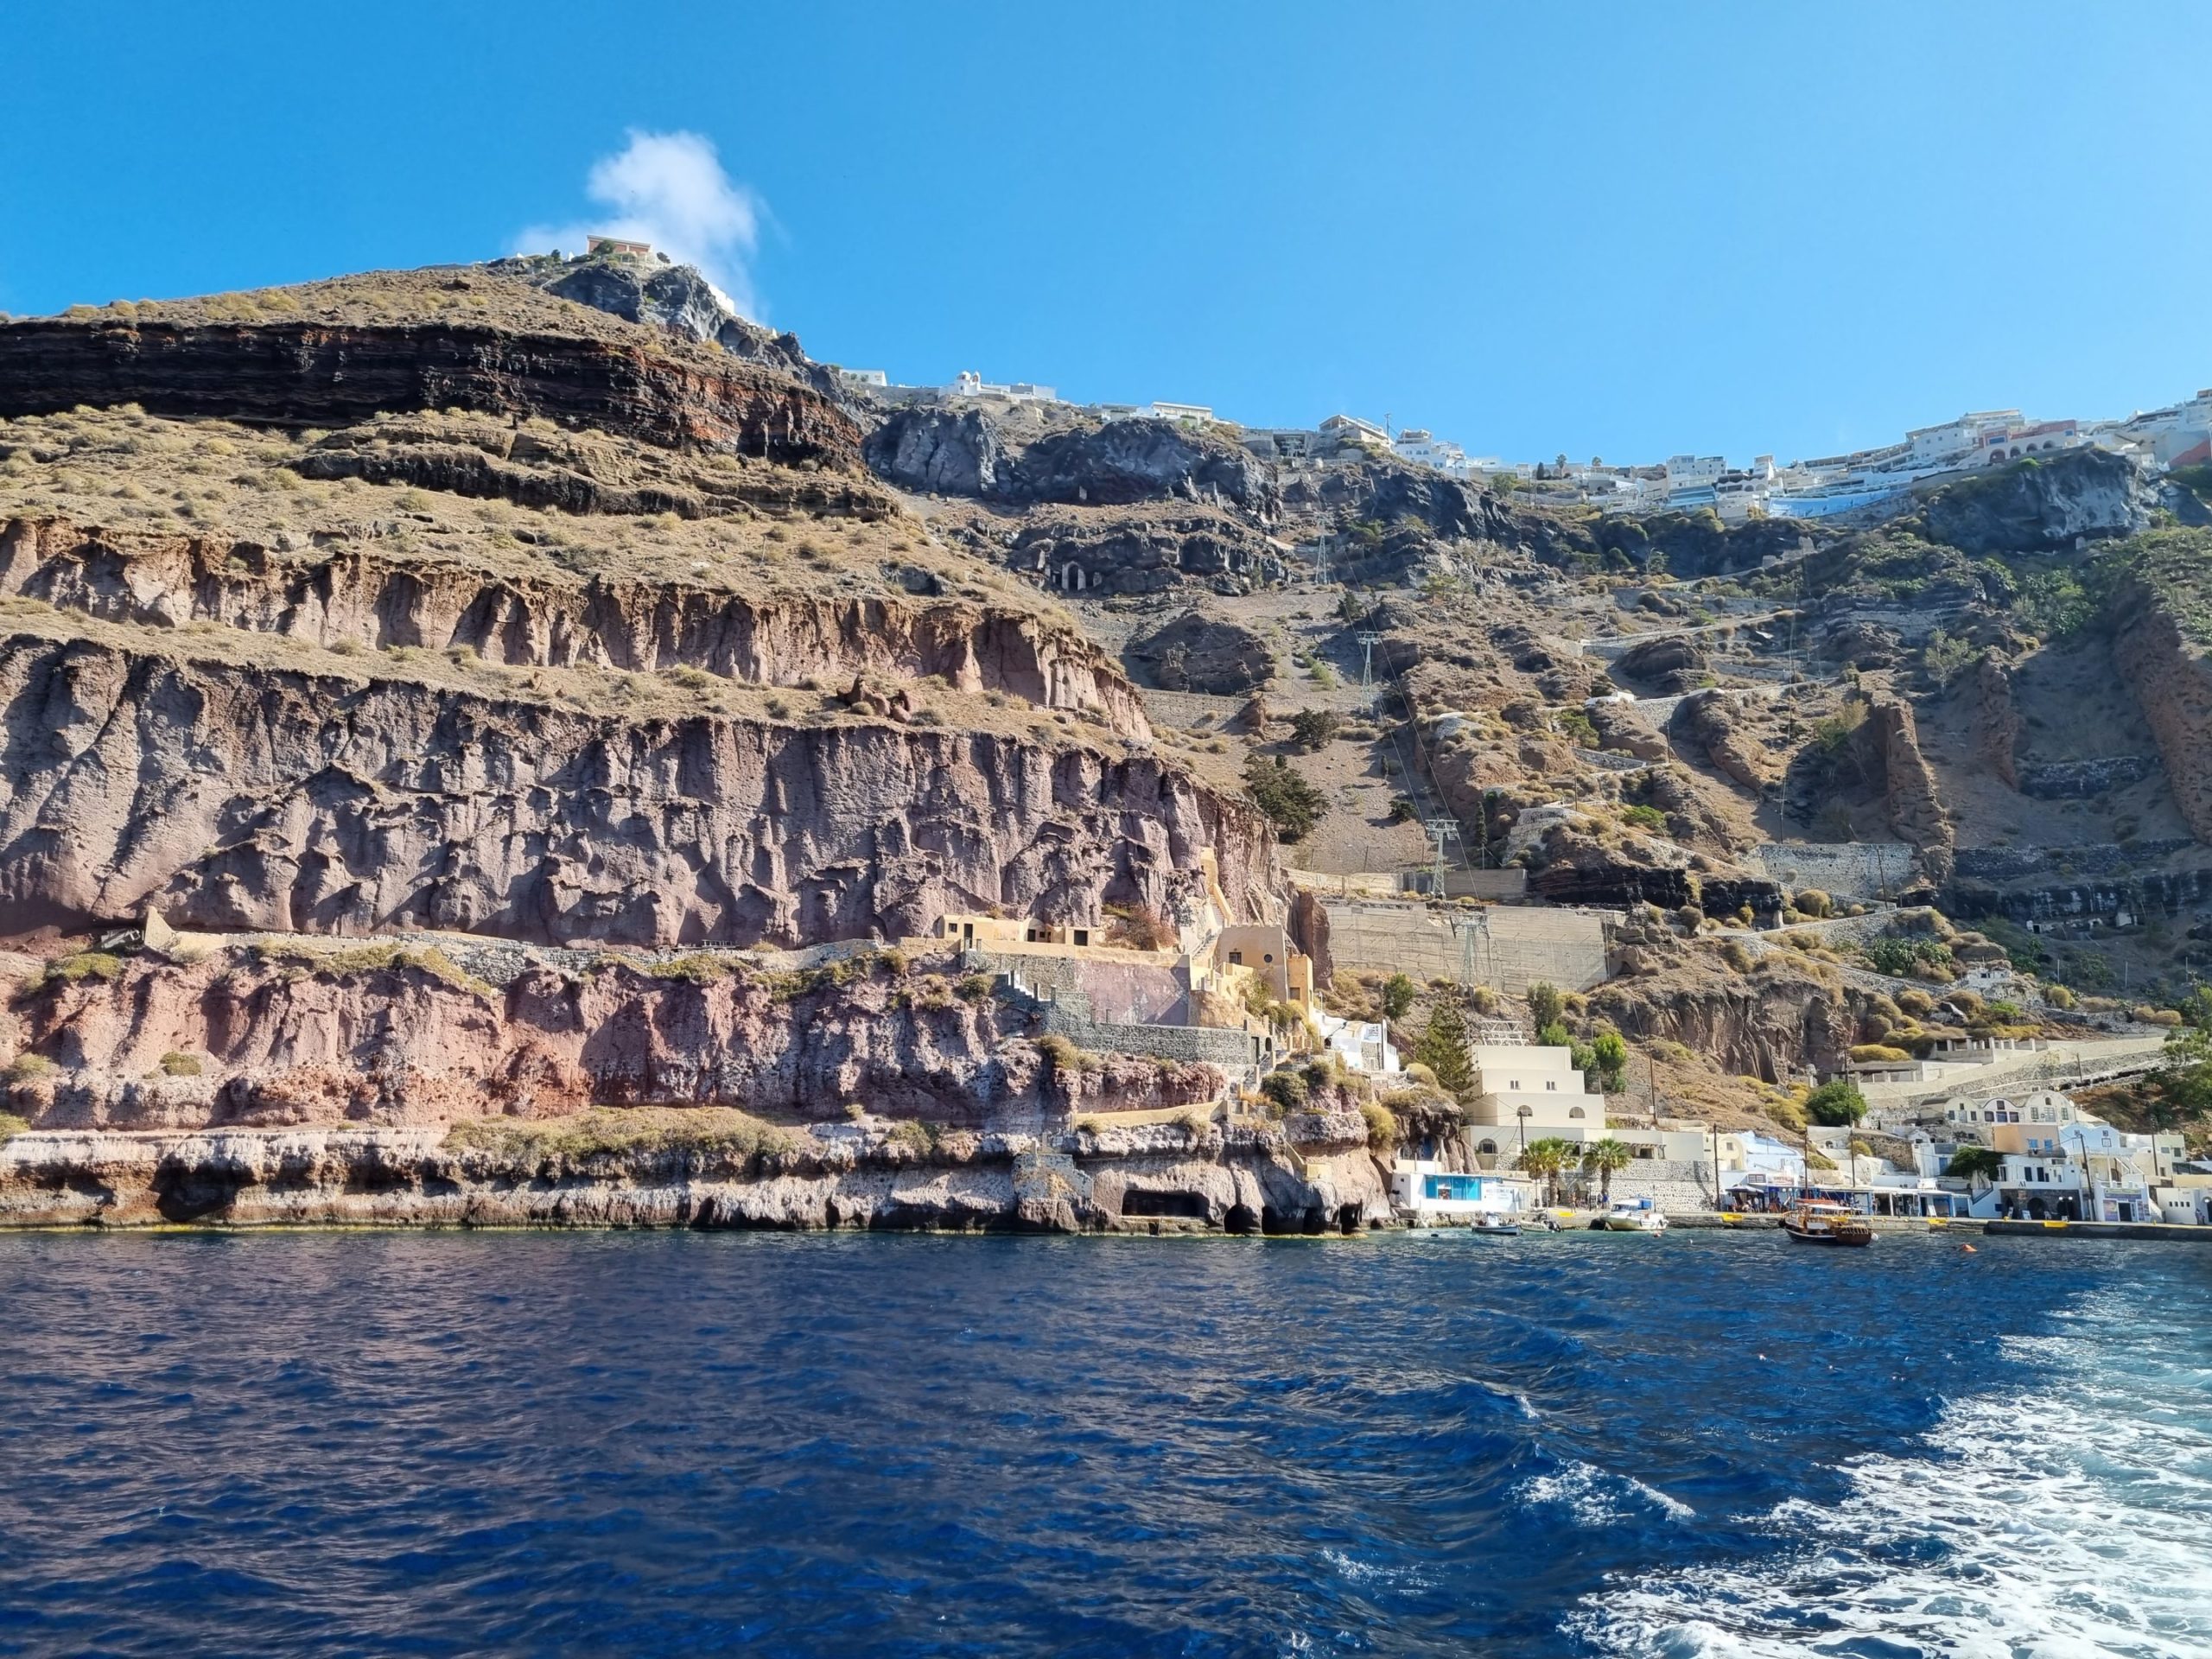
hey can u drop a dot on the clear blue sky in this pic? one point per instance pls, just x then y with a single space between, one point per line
1620 230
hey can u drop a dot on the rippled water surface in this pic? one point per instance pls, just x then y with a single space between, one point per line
450 1444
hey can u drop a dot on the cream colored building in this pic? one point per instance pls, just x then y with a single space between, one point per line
1510 1076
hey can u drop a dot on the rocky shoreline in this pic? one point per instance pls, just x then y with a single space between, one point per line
1310 1175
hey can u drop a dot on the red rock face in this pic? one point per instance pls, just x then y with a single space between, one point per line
376 1036
352 596
237 796
305 374
2173 683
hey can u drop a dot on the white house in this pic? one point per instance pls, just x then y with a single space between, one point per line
1422 448
1529 1091
1350 429
968 383
1425 1190
1953 443
1365 1046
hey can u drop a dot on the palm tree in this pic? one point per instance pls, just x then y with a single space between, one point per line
1545 1159
1605 1156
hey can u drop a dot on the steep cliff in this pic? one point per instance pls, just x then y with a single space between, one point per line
2160 638
306 798
969 451
369 594
276 370
2043 503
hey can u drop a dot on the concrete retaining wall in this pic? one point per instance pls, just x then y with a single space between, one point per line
1506 947
1853 872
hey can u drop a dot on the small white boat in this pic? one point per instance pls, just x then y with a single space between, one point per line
1640 1216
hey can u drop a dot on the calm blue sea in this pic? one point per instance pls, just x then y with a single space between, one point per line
674 1444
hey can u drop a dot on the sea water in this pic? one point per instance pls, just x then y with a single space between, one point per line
630 1443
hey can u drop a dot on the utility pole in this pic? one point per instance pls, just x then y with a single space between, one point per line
1367 668
1321 558
1439 831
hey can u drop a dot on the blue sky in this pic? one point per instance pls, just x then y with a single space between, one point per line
1612 229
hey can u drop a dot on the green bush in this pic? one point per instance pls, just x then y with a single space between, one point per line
1836 1102
1315 728
1286 1089
1398 993
1382 1125
28 1068
177 1064
85 965
11 1126
1286 800
1546 1005
1813 902
1643 818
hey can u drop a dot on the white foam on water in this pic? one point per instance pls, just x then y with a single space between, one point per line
1598 1497
2066 1521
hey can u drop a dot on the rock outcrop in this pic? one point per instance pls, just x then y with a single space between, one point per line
2167 668
1087 550
1771 1023
1248 1177
1887 747
276 370
965 451
2043 503
304 799
1197 652
363 595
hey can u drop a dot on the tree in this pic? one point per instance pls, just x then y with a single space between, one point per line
1398 993
1836 1104
1546 1006
1970 1162
1610 1050
1315 728
2180 1091
1545 1159
1443 1050
1291 803
1605 1156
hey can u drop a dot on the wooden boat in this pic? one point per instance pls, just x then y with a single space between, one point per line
1823 1220
1495 1226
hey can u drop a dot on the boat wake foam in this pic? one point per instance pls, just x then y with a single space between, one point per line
2073 1521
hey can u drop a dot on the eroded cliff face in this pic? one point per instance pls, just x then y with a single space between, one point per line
281 1081
1888 748
1771 1023
2172 682
303 374
1313 1177
234 796
968 451
354 593
436 1030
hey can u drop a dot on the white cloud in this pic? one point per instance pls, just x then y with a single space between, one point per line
669 188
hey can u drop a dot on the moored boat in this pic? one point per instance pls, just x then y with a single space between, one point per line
1823 1220
1640 1216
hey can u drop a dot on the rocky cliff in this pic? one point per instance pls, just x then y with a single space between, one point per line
2040 504
1247 1178
288 1081
308 798
368 593
300 374
967 451
2159 646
